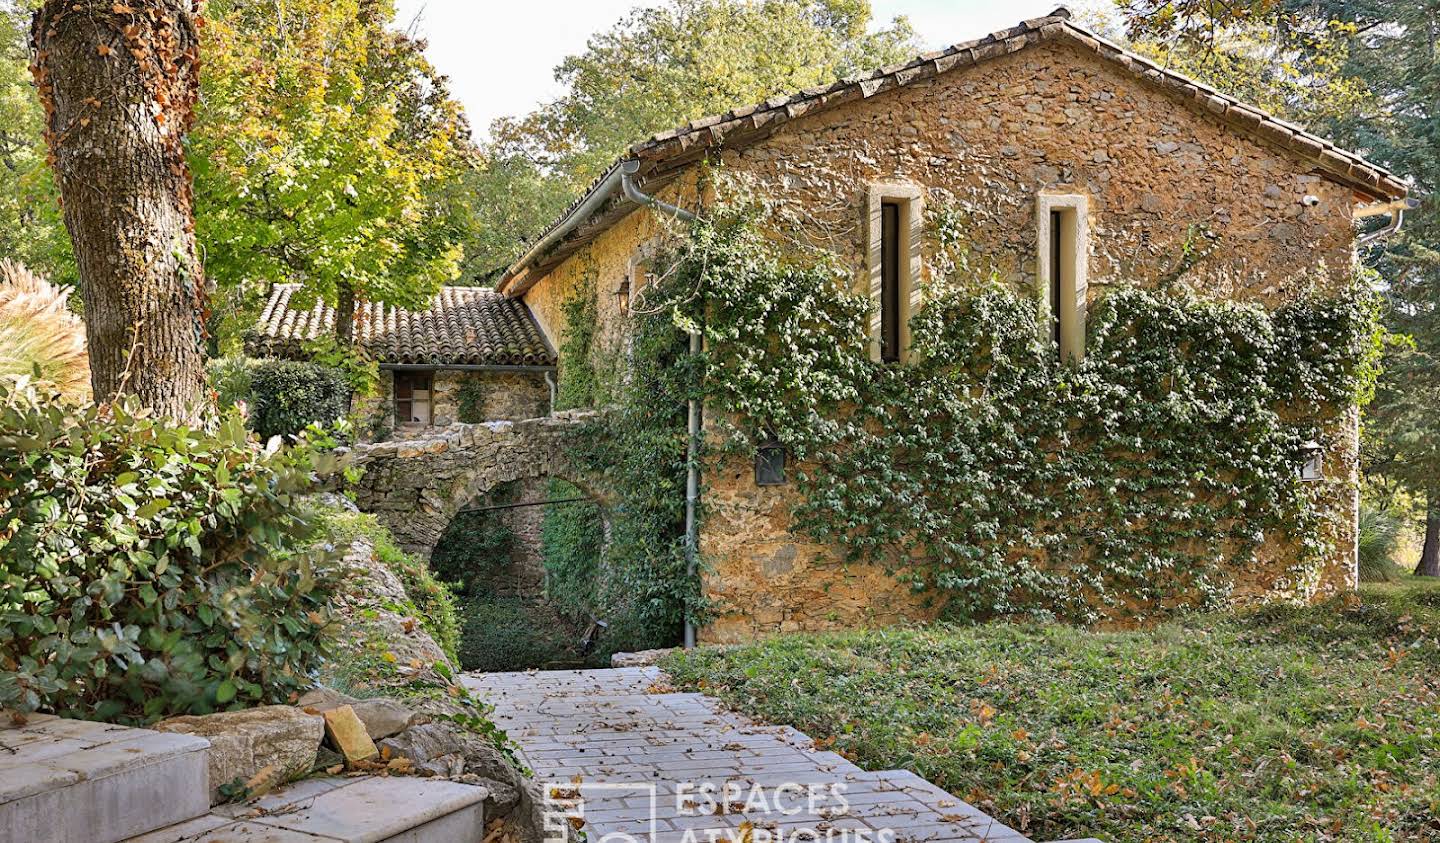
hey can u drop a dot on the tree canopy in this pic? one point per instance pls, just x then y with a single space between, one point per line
31 230
327 152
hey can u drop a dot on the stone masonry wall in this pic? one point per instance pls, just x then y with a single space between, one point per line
415 486
505 396
523 571
986 140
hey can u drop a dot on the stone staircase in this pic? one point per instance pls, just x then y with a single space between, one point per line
621 753
69 781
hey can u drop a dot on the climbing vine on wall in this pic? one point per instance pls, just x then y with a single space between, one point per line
578 385
987 472
637 452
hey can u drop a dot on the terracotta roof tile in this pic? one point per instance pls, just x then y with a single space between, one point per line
466 326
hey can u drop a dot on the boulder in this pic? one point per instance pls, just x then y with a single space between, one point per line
425 743
644 658
382 717
242 743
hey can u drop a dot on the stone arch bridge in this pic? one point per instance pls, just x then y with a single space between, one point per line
416 486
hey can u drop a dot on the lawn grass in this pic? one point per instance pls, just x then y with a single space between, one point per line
1287 724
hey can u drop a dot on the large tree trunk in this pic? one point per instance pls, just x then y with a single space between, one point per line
119 80
345 314
1430 557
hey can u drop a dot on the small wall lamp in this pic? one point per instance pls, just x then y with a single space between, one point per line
622 296
1311 459
770 459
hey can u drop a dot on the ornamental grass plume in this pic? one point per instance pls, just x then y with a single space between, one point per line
38 330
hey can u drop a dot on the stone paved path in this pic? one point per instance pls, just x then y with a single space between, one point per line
621 748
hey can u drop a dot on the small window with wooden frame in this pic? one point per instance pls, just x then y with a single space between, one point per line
894 225
1062 279
413 398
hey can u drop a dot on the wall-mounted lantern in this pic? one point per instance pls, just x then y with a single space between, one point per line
1311 459
622 296
770 459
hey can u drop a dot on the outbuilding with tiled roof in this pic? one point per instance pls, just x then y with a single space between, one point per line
472 355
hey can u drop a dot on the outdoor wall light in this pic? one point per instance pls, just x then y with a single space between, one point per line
622 296
1311 458
770 460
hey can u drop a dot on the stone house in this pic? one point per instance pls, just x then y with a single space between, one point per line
1078 165
474 355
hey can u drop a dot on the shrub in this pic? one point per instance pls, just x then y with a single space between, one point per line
1380 532
286 396
508 633
148 569
230 379
37 330
572 541
475 548
434 604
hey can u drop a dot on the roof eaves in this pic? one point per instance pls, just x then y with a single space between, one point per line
712 130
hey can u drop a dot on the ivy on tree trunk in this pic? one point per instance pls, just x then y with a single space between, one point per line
119 80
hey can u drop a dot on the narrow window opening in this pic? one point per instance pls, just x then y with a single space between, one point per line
413 397
1062 279
890 293
1057 285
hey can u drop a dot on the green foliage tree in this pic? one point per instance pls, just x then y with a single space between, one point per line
327 152
31 230
659 68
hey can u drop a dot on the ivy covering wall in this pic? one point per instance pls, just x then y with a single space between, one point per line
985 471
635 578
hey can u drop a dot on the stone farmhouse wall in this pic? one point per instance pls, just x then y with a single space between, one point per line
987 140
505 396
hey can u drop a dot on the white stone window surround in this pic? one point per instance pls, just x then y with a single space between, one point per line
1074 211
911 199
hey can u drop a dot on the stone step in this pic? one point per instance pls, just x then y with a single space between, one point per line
71 781
344 810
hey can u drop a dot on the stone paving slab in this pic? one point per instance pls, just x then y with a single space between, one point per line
620 749
344 810
70 780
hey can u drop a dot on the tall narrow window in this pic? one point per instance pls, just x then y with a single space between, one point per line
412 397
1063 282
893 226
1057 261
890 292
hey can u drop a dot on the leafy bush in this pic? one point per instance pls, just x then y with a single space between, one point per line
1380 532
572 542
230 379
149 570
508 633
434 603
285 396
37 330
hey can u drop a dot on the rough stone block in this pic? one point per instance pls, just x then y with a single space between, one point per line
382 717
242 743
348 734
